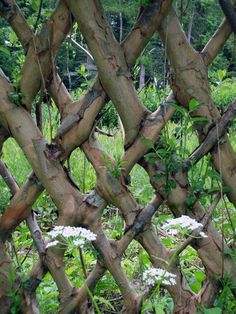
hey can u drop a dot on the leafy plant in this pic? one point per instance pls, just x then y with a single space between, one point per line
114 168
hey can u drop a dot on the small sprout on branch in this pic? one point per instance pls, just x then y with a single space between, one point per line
115 168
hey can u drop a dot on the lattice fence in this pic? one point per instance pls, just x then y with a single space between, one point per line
189 80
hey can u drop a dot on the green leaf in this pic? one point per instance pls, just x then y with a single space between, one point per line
214 174
224 89
144 2
115 234
200 276
144 258
35 5
71 270
105 302
12 37
221 74
214 310
190 129
82 69
196 286
179 109
161 151
193 104
167 242
190 200
198 119
230 252
226 189
172 184
159 308
150 155
163 217
5 50
147 141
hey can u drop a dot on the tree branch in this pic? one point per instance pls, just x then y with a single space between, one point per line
189 75
214 135
13 15
229 12
216 42
132 45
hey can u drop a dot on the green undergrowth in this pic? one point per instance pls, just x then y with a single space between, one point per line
178 141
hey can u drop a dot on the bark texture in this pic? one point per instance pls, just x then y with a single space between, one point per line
189 79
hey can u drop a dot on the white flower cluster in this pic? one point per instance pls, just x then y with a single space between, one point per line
184 222
53 243
79 235
153 275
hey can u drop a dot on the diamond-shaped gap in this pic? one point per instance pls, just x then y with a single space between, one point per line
192 268
81 171
16 161
47 295
140 185
5 195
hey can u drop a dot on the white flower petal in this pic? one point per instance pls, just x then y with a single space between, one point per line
181 222
79 235
53 243
152 275
79 242
203 235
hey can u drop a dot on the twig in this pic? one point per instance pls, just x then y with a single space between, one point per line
82 263
36 234
98 130
26 255
73 119
212 137
8 178
31 221
77 45
141 220
38 15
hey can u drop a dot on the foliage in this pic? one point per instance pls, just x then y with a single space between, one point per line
178 141
223 92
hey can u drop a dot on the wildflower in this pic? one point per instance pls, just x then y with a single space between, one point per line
79 242
183 222
172 232
77 235
202 234
68 231
53 243
153 275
